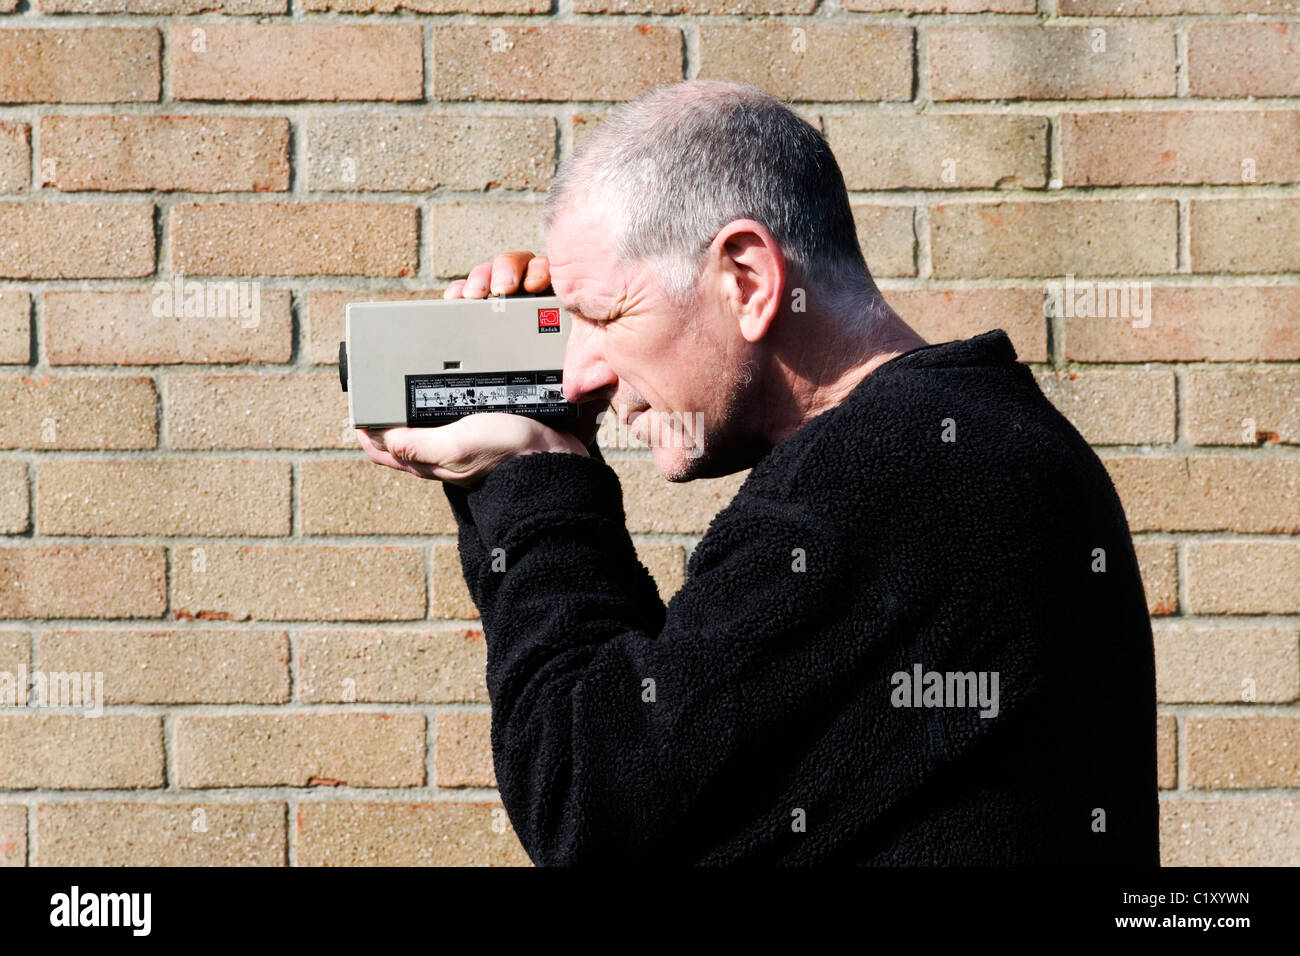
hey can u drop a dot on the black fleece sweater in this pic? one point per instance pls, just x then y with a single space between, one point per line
944 517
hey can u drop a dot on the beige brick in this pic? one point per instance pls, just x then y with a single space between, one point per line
176 666
100 64
77 411
1196 324
81 411
1057 62
1172 146
462 235
99 581
440 665
193 153
246 323
445 833
15 327
338 497
1148 8
1245 235
326 310
14 653
429 151
161 834
1232 752
315 238
827 61
1158 565
299 583
1166 752
300 750
1230 832
303 61
939 151
80 752
1243 577
1204 493
13 835
462 749
1243 59
553 62
15 516
942 315
1227 665
448 595
585 122
942 6
1115 408
1243 407
258 411
655 505
430 6
15 157
887 238
666 564
706 7
163 7
197 496
76 240
1067 237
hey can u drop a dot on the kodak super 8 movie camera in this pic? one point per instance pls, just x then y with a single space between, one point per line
427 363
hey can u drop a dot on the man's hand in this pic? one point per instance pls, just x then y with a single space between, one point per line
465 451
506 274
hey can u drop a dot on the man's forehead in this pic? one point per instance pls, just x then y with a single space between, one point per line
577 295
582 285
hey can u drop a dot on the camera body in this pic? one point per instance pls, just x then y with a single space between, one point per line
432 362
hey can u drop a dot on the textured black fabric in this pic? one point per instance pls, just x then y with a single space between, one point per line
860 547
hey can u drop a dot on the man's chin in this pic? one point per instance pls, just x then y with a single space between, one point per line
682 464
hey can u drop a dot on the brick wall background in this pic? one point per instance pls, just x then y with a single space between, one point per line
291 670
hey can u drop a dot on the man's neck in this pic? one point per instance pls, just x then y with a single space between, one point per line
827 368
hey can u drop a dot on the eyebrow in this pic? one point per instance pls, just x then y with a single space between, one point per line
580 307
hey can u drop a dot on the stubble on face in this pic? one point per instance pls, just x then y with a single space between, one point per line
706 441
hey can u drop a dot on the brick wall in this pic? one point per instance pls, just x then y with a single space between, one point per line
290 662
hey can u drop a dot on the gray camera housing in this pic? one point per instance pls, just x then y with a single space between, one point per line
431 362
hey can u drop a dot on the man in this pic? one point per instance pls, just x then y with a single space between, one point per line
916 635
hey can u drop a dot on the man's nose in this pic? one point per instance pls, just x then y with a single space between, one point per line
587 376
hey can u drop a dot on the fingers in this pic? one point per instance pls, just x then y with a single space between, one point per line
419 451
476 283
538 277
507 274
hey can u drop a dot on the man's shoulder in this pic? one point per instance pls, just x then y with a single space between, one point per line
912 402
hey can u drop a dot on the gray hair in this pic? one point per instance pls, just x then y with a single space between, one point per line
673 166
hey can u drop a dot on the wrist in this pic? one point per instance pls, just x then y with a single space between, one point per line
559 442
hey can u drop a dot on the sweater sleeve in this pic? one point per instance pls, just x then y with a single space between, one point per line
622 729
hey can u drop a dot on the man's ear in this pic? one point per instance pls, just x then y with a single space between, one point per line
754 275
